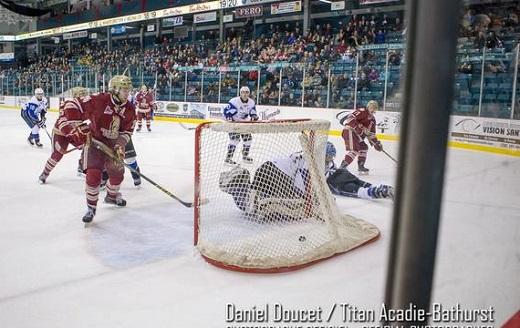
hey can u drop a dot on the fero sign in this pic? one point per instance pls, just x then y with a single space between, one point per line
253 11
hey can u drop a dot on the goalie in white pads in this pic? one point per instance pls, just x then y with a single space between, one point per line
240 109
278 188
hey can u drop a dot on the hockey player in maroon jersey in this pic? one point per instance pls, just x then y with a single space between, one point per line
112 121
145 103
70 118
359 125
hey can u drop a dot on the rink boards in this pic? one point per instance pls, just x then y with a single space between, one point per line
500 136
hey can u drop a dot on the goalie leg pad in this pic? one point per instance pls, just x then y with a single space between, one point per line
236 182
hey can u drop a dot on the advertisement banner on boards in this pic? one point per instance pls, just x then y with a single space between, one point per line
486 131
181 109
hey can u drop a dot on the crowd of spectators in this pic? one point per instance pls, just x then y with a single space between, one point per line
306 58
277 43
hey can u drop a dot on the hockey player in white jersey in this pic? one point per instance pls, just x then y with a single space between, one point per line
33 112
240 109
278 189
279 186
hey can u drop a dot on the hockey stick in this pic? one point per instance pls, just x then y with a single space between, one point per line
384 151
105 149
71 150
389 156
187 127
47 132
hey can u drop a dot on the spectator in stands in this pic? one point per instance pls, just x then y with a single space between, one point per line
380 37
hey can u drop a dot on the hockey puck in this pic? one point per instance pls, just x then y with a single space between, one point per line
302 238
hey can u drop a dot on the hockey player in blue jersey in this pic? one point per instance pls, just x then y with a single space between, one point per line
240 109
33 112
343 183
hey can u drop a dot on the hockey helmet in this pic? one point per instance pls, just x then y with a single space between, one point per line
38 92
330 151
118 83
244 92
372 106
78 92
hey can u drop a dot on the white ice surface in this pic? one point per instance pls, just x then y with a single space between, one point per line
137 267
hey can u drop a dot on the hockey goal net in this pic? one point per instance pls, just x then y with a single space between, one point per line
273 214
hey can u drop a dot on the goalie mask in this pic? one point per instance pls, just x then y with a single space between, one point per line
119 86
144 88
244 93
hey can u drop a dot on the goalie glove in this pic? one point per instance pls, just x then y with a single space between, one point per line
377 145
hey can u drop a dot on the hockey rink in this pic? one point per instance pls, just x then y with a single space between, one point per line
137 266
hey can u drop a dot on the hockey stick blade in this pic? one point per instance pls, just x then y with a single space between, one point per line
186 127
105 149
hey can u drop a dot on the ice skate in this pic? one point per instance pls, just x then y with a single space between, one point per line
43 178
362 169
118 201
89 216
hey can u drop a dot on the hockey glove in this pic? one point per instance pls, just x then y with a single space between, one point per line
80 134
119 152
41 123
377 145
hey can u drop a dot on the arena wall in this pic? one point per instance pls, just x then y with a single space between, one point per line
500 136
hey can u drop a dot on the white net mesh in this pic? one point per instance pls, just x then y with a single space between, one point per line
276 212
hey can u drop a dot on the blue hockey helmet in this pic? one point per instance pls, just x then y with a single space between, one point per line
330 151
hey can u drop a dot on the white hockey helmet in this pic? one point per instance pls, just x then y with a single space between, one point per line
38 92
244 92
